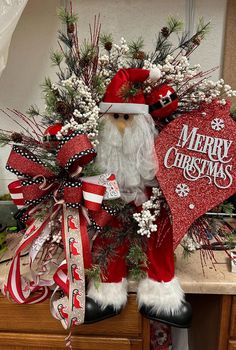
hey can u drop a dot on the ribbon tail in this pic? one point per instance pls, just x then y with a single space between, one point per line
14 282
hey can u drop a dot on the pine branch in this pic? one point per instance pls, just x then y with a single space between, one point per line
66 17
106 40
203 28
33 111
94 273
136 46
67 41
201 31
87 54
56 58
90 169
174 24
47 85
226 207
72 63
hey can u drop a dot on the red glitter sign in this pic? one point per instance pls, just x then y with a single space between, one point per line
197 162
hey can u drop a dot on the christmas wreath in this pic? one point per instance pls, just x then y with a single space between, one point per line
130 152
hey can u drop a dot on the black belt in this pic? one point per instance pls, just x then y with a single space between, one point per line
163 102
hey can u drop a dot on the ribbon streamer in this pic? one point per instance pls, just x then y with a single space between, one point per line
76 196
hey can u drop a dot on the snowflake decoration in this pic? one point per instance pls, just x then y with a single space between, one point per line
146 219
182 190
217 124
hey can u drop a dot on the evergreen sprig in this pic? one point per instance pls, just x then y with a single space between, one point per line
56 58
136 46
65 39
226 207
33 111
94 273
190 43
66 17
90 169
98 85
174 24
87 54
203 28
163 44
137 260
106 40
49 94
47 85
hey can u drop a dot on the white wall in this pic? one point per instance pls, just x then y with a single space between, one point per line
36 35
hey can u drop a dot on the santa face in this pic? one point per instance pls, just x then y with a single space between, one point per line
126 148
122 121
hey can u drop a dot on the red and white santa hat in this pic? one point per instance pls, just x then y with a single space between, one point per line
115 101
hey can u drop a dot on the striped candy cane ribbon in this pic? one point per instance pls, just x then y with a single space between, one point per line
15 189
20 288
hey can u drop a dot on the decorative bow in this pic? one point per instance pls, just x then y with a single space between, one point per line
72 193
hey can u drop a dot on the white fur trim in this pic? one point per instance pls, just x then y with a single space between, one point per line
155 74
161 296
131 108
105 294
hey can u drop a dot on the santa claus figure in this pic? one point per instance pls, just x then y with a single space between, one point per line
126 149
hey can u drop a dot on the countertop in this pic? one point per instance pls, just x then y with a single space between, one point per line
195 277
199 278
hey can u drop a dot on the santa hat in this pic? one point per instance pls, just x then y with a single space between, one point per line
121 95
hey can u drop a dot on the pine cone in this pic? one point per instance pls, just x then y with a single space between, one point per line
108 45
16 137
196 40
139 55
70 28
165 32
62 108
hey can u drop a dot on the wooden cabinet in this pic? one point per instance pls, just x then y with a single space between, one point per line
214 322
232 345
28 327
232 325
31 327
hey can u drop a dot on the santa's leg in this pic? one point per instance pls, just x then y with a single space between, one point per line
160 295
106 299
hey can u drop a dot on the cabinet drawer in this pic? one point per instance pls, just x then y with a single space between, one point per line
37 319
24 341
233 319
232 345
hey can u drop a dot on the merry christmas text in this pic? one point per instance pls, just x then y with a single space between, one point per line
217 167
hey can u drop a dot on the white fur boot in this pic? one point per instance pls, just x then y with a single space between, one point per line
112 294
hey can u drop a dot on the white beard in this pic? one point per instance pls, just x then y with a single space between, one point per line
130 156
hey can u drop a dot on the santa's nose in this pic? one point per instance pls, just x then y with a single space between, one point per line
121 121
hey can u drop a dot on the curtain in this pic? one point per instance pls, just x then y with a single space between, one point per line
10 12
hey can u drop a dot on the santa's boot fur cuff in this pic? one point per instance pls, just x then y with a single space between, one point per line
160 296
164 302
109 294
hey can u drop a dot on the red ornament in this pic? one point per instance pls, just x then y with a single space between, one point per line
50 134
197 164
162 101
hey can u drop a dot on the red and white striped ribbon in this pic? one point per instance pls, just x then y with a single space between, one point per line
15 286
15 189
